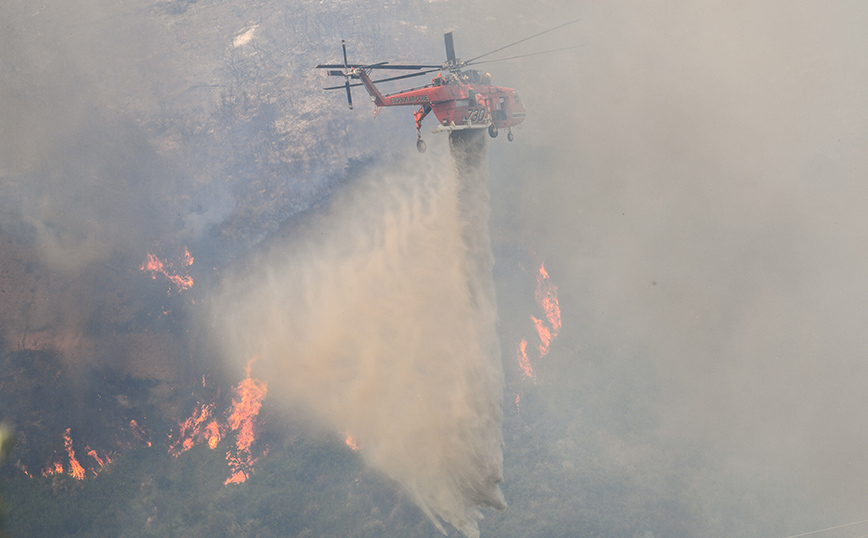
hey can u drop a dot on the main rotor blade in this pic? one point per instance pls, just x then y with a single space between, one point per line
381 65
450 47
523 55
523 40
408 66
411 75
385 79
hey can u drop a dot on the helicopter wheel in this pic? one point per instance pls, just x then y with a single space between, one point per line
510 136
492 131
421 145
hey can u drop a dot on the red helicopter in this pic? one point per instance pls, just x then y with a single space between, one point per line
460 99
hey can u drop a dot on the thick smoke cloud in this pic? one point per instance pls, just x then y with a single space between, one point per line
381 322
701 198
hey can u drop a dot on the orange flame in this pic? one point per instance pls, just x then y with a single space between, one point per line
236 477
156 265
246 403
214 433
23 469
523 361
546 295
75 468
139 432
57 468
192 428
102 462
242 419
250 394
545 336
351 442
92 453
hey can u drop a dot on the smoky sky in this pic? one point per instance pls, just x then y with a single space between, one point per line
705 204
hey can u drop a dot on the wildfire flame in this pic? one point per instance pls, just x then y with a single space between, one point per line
139 432
546 295
524 362
213 433
241 418
157 266
57 468
75 468
102 462
191 429
351 442
23 469
547 326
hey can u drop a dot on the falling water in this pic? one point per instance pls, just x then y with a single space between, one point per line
379 319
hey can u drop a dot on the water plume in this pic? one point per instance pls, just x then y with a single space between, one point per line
379 318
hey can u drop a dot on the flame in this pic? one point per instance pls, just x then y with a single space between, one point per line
23 468
99 461
155 265
57 468
191 429
242 419
214 433
237 477
102 462
545 336
351 442
75 468
250 394
547 327
523 361
546 295
139 432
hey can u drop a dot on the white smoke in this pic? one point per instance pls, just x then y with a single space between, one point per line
372 320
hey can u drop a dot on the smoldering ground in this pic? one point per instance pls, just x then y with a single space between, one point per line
371 322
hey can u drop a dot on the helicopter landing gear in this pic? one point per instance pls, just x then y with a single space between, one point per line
421 146
492 131
510 136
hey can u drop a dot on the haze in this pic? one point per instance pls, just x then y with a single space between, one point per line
693 178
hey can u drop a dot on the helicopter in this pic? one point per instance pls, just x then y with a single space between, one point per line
460 98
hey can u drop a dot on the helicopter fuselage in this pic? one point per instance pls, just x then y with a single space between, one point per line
457 104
